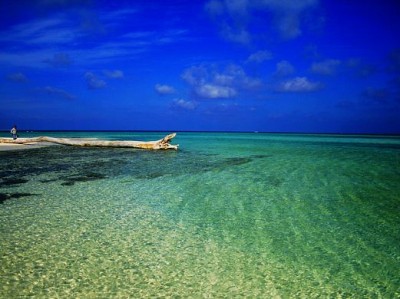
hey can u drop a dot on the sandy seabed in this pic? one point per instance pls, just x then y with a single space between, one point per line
249 216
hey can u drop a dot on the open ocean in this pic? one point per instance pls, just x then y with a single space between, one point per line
228 215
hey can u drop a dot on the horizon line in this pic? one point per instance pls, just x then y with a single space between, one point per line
213 131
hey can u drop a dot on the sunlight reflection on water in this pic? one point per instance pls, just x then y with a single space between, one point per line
246 216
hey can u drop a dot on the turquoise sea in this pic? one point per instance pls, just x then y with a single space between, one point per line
228 215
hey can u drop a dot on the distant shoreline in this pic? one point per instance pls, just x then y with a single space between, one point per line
189 131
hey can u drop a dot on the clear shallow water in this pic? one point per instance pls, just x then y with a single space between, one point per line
228 215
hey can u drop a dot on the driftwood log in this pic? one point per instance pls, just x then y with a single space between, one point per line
163 143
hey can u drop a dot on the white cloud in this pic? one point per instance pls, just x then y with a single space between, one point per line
284 68
326 67
93 82
240 79
224 79
183 104
251 83
210 83
115 74
211 91
215 7
260 56
238 35
230 16
195 75
163 89
289 25
298 84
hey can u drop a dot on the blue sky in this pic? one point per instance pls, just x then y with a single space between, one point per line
240 65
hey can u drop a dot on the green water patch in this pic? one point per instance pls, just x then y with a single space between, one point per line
281 220
74 252
331 218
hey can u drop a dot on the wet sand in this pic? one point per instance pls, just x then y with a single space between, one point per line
18 146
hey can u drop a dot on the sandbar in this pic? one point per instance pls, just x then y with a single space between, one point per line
19 146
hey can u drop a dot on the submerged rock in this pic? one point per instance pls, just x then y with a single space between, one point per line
69 181
5 196
12 181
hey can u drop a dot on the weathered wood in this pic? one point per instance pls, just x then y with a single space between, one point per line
163 143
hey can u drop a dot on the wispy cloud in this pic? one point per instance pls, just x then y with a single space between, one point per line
115 74
28 58
235 16
57 92
284 68
326 67
59 60
60 39
298 84
93 82
17 77
363 69
117 17
37 43
54 30
394 61
260 56
389 93
61 3
163 89
378 95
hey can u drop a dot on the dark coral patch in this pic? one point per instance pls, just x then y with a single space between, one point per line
48 181
229 162
150 175
4 196
19 195
12 181
71 180
260 156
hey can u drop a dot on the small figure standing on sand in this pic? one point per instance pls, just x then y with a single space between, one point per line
14 132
